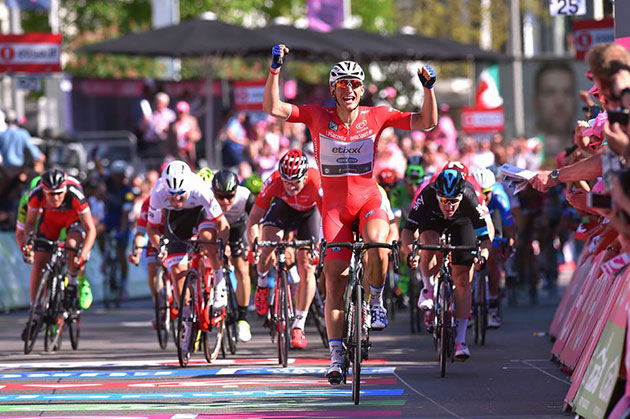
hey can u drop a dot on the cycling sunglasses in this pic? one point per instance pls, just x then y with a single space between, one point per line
177 193
224 196
450 201
345 83
293 182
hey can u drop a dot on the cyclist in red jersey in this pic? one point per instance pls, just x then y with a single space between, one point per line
345 138
59 202
288 202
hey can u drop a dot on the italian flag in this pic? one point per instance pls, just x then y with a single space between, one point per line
487 95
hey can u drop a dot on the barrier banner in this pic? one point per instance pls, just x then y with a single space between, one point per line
618 295
622 408
587 318
594 395
569 296
584 293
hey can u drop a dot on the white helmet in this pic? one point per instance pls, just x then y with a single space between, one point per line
485 178
175 175
118 167
345 70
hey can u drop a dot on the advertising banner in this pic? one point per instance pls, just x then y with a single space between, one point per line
248 95
480 120
30 53
590 32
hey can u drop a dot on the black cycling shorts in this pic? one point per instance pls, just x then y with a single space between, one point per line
462 234
41 233
282 216
238 239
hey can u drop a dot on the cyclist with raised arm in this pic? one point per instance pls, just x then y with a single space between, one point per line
345 138
58 202
288 201
236 202
450 205
498 203
185 204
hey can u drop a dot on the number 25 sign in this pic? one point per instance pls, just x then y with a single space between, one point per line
567 7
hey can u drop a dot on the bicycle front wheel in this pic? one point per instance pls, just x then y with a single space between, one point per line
74 328
444 325
357 336
162 321
483 308
212 340
282 323
187 318
231 316
316 313
34 326
55 315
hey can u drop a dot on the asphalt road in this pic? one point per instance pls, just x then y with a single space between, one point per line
119 371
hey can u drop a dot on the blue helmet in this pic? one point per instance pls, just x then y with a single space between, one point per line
449 183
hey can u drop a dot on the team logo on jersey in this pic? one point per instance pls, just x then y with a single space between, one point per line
368 214
482 210
419 201
332 125
362 125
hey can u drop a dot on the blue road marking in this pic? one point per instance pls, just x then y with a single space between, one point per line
200 395
182 372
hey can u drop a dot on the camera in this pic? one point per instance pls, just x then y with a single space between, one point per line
597 200
621 115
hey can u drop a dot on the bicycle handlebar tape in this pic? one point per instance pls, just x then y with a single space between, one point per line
428 83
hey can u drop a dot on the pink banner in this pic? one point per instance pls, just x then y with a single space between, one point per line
569 296
325 15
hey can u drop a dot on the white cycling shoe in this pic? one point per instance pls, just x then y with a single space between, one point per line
461 352
425 300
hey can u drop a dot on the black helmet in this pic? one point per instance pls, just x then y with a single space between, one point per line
450 183
54 180
224 181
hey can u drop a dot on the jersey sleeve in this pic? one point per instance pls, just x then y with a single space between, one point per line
22 212
318 192
210 204
503 202
390 117
418 206
141 224
154 216
268 192
302 113
476 211
36 198
79 200
249 204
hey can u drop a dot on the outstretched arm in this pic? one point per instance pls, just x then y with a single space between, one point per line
271 97
427 118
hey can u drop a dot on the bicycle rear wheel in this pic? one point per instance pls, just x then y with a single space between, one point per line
74 328
357 342
187 318
33 328
162 321
316 313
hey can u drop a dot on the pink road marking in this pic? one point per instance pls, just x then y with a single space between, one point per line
163 416
309 414
249 382
292 361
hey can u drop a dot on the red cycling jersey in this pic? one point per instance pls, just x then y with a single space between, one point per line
345 155
308 197
53 220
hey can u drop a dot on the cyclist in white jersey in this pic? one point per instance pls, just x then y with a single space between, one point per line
189 208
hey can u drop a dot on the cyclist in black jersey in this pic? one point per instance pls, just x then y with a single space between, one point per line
450 204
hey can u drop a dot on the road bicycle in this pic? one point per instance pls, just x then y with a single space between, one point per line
196 322
112 275
356 335
230 338
164 306
480 305
281 312
415 314
316 314
48 303
444 328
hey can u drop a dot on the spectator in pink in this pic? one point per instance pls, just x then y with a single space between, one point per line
154 125
389 155
445 134
184 133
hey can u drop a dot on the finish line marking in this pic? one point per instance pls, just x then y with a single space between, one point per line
184 372
200 395
223 382
295 405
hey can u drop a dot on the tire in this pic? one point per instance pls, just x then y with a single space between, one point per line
415 315
477 306
186 342
162 321
74 329
357 344
231 316
483 309
445 322
213 341
40 301
282 321
55 318
317 315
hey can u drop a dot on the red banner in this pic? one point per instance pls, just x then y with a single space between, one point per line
248 95
587 33
480 120
30 53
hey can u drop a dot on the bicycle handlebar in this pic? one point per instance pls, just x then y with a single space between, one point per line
358 247
55 243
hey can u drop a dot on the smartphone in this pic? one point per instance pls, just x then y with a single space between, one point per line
622 116
598 200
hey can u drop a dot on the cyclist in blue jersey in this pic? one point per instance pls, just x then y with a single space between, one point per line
498 203
118 203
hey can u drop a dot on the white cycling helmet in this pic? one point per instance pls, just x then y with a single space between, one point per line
175 175
345 70
485 178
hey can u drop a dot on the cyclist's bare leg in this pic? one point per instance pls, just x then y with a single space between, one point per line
40 259
152 268
74 239
462 276
336 272
244 288
178 275
269 233
376 230
307 285
429 260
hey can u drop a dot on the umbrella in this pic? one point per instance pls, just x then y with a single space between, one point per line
363 46
420 47
304 44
